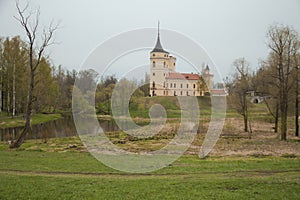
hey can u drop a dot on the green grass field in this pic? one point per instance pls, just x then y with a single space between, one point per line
69 174
17 121
63 169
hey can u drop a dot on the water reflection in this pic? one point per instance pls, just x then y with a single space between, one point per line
54 129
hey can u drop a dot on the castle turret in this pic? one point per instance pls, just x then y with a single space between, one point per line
159 68
208 77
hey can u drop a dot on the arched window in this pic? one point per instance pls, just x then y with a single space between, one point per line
181 85
153 84
187 85
154 54
174 85
170 85
153 63
180 93
194 86
164 64
187 93
153 74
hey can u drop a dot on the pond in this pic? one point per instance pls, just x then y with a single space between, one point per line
53 129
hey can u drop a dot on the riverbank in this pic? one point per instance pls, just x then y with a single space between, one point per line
19 121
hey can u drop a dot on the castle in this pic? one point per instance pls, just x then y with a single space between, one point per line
165 81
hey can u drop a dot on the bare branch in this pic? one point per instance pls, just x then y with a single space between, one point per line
35 56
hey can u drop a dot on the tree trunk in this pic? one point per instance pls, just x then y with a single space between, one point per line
14 92
297 116
297 104
283 119
245 113
27 128
276 118
245 123
283 126
8 100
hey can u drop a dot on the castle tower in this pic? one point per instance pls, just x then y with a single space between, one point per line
208 78
161 64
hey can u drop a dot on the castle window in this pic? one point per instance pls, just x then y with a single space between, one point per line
164 64
164 84
153 63
181 85
194 86
194 93
181 93
153 84
171 85
154 54
187 93
174 64
174 85
187 85
153 74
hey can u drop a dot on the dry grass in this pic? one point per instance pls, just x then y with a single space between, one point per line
263 142
233 141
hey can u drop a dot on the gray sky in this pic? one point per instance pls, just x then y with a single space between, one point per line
227 29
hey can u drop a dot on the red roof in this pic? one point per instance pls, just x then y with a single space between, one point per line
183 76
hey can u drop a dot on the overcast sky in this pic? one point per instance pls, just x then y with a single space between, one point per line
227 29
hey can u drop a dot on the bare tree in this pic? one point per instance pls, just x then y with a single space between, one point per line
265 85
283 42
240 89
35 55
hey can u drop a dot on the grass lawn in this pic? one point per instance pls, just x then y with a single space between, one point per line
62 169
17 121
69 174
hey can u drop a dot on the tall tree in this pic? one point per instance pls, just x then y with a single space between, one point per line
35 55
13 60
46 89
240 89
283 43
264 84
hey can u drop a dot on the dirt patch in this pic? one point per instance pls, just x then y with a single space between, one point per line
262 141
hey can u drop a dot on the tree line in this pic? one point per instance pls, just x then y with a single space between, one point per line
276 80
53 85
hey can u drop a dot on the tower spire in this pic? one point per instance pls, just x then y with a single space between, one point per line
158 28
158 46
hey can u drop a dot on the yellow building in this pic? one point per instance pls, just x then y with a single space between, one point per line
165 81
